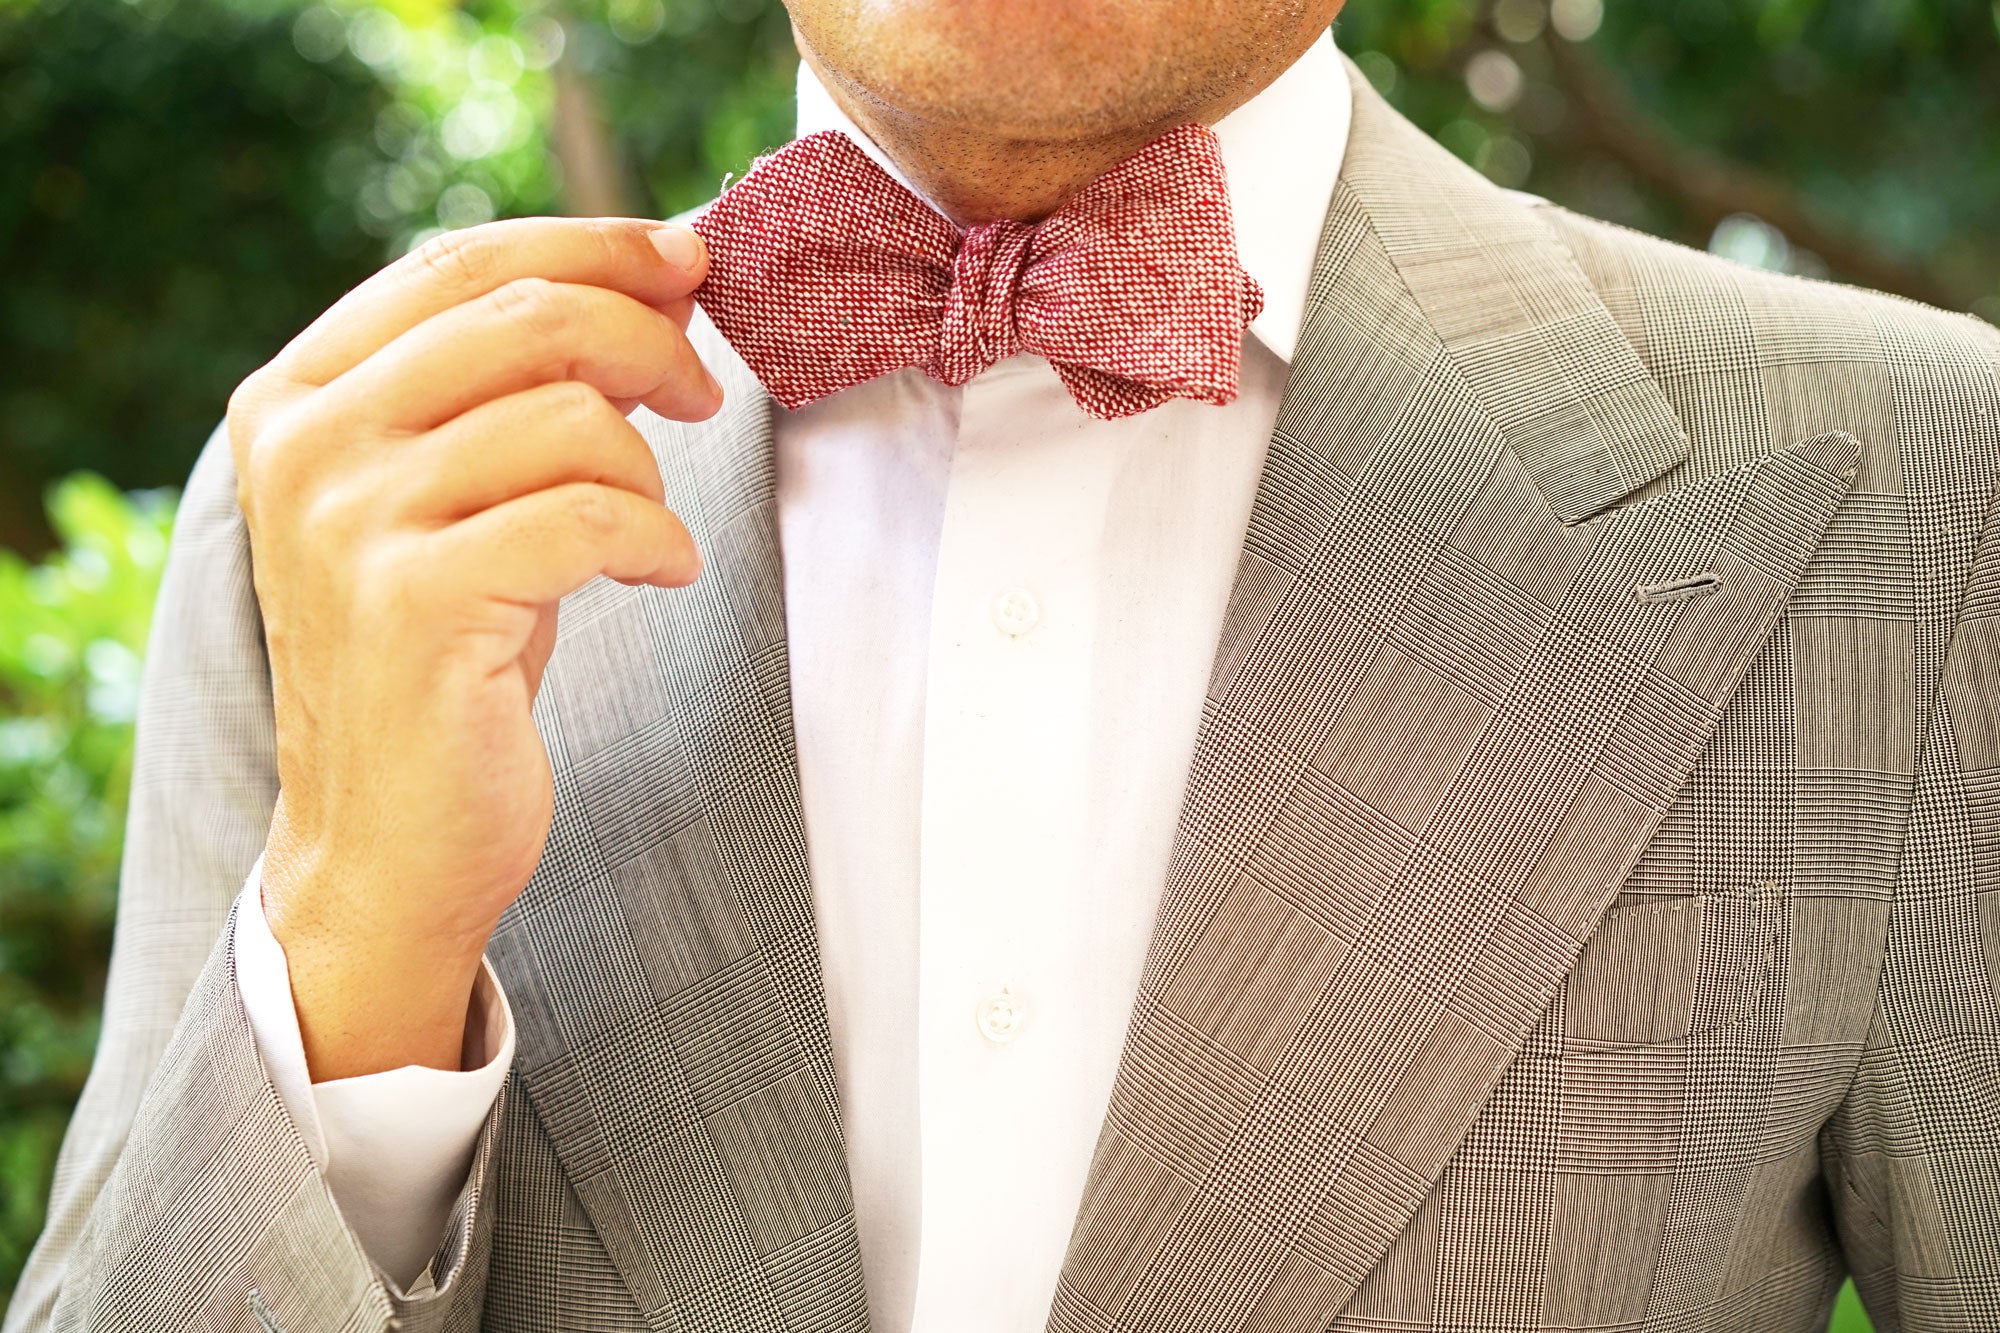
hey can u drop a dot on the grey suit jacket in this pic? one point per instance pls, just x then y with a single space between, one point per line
1584 913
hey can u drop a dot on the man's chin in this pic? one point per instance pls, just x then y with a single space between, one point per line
1030 71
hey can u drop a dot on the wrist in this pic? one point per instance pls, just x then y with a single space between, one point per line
366 1006
377 983
314 892
370 994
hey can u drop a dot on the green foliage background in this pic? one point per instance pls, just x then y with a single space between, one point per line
71 632
185 183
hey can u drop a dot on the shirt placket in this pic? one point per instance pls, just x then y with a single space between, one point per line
1006 749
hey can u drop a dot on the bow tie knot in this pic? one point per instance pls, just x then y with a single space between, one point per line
980 326
825 272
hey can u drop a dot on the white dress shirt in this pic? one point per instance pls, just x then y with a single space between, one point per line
1001 616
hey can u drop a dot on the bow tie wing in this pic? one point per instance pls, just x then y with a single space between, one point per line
823 270
1134 291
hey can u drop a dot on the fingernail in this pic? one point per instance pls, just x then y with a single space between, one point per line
714 384
679 246
688 574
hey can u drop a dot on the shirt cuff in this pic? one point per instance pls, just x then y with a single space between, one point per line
394 1147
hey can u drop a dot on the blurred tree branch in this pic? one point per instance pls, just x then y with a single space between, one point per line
595 183
1711 188
22 527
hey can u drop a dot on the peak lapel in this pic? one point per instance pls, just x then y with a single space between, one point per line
1442 724
1535 345
663 964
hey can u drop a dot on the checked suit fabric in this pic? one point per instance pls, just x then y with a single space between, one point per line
1584 912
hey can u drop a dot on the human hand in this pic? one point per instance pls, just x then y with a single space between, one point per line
425 471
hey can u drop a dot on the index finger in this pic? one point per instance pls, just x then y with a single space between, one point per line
658 263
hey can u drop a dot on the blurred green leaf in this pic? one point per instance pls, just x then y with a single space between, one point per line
1848 1316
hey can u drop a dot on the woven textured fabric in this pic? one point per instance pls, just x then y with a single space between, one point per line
824 272
1541 951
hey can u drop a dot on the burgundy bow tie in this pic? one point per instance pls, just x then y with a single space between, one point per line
824 272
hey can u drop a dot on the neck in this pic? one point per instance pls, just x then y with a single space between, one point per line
974 177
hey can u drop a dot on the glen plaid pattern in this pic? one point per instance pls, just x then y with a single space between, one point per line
1646 981
824 272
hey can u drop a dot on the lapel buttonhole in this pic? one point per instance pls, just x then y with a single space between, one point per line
265 1319
1678 590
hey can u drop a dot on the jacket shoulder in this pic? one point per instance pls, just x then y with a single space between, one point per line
1755 361
1797 315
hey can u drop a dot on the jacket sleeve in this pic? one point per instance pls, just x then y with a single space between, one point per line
1912 1153
184 1195
395 1146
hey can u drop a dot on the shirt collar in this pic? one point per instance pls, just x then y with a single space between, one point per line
1282 150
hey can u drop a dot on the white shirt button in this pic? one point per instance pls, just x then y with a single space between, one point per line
1001 1016
1016 612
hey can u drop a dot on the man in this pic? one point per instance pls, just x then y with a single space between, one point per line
1304 743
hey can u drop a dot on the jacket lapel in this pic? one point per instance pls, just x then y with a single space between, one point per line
1449 709
662 965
